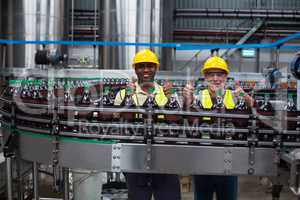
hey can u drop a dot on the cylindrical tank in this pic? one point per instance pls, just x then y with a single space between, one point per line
131 21
1 34
32 20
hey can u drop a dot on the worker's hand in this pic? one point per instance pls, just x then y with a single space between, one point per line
167 88
216 88
188 92
238 89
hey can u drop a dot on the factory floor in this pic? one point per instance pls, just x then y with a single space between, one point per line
250 188
253 188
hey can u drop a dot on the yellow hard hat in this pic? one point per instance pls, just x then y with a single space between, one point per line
143 56
215 62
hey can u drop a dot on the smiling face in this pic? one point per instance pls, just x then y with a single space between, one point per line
145 72
215 78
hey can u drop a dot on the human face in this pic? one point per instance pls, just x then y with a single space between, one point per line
145 72
215 78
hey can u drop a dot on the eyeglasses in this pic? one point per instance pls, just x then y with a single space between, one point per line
217 74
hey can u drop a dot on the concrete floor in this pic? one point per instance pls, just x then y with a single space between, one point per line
252 188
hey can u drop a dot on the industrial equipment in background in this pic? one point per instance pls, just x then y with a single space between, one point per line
69 116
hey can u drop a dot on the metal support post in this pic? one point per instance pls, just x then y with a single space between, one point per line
66 183
20 179
149 137
9 178
35 181
252 143
1 137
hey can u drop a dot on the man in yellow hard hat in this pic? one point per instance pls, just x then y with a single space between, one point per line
143 186
215 71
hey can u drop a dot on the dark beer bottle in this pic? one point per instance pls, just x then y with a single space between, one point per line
290 106
86 96
150 101
172 103
266 106
67 93
241 105
219 100
128 101
196 105
106 99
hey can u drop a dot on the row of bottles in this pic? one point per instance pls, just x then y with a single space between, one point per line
86 93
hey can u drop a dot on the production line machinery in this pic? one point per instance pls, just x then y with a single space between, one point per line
147 139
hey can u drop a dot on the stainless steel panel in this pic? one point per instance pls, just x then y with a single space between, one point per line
264 161
36 149
85 155
197 160
71 154
31 20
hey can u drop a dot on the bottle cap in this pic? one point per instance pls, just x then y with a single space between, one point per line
151 90
173 90
219 92
129 90
106 89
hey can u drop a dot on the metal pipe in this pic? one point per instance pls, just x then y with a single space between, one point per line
43 20
234 33
72 20
95 31
234 13
9 178
35 181
66 183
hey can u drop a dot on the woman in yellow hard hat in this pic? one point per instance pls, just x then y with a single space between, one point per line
215 71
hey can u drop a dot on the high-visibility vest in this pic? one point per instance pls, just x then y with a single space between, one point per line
208 104
160 97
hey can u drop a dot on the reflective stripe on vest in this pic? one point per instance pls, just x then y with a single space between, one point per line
227 100
134 97
160 97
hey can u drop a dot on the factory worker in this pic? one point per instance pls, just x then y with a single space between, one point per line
215 71
141 186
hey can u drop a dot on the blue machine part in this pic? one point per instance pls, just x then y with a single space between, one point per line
295 67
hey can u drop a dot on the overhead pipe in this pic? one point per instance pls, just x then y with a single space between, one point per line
233 13
233 33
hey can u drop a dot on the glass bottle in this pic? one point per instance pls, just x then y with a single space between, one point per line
172 103
150 101
67 93
86 96
128 101
290 106
219 100
266 106
24 90
241 105
106 99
